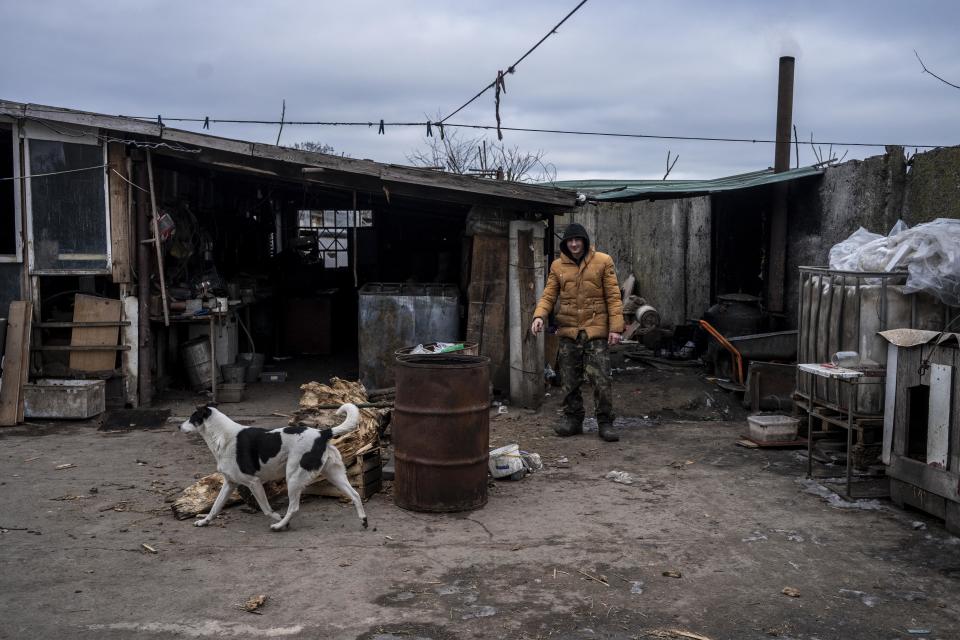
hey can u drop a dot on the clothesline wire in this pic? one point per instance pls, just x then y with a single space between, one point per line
572 132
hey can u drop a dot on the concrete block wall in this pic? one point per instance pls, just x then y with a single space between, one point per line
665 244
933 186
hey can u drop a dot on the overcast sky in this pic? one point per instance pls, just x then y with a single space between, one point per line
665 68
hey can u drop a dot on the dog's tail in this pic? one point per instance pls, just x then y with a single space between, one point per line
348 425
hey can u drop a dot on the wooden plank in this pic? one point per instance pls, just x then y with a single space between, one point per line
25 367
908 362
94 309
953 355
943 483
938 417
889 402
82 348
130 357
526 284
70 325
15 358
159 248
120 253
487 307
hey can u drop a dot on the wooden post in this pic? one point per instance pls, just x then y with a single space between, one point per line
525 285
156 241
144 339
119 213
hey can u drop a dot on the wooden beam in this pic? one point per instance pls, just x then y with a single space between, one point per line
119 214
156 240
16 358
532 194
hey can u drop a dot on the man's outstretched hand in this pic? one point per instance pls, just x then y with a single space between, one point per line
537 326
614 338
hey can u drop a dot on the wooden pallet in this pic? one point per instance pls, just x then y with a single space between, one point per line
867 430
750 443
365 474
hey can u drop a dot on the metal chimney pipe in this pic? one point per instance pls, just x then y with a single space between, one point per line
777 247
781 161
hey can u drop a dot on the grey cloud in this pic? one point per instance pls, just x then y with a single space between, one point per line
680 68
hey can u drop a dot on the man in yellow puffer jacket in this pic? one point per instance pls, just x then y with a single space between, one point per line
590 317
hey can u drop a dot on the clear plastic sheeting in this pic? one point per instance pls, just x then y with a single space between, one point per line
929 253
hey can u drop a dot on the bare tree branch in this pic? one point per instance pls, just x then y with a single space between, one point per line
925 70
670 166
456 154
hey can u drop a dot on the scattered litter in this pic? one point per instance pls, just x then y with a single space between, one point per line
563 460
506 462
792 536
636 587
919 632
148 548
920 526
674 633
870 601
32 459
388 537
681 464
790 591
478 611
437 347
502 409
61 467
602 579
812 486
531 461
253 604
756 536
672 573
71 496
619 476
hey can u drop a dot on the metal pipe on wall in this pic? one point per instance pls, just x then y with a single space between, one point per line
777 247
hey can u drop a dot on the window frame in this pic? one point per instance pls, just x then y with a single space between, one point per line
17 256
77 135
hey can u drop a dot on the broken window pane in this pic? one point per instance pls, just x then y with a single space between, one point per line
68 209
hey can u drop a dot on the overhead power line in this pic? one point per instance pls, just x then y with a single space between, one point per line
498 82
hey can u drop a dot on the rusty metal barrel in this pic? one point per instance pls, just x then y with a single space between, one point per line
441 432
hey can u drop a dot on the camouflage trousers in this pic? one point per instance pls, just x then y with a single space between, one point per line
589 360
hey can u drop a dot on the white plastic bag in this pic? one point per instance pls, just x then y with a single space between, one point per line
929 252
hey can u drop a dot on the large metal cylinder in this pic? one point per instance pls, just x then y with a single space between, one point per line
197 362
441 432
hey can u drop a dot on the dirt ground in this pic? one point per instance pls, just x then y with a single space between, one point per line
702 544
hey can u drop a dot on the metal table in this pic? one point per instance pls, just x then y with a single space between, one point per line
850 378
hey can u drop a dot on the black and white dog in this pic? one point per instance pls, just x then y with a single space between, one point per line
250 456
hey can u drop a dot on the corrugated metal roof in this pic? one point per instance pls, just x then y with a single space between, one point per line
628 190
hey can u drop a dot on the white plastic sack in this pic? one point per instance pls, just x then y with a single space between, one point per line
929 252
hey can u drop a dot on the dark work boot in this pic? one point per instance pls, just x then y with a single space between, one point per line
607 433
569 426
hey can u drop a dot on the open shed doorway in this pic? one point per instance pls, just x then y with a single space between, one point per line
289 257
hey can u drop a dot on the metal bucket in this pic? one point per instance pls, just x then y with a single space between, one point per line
254 362
197 362
441 432
233 373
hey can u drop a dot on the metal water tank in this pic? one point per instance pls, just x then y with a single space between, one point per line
393 316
